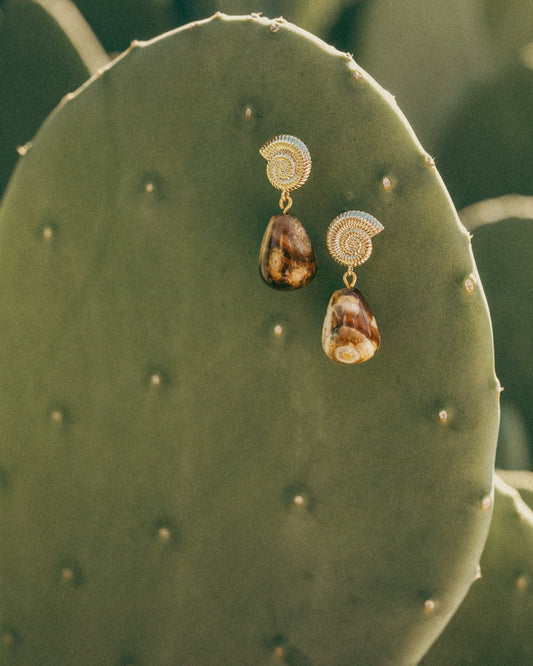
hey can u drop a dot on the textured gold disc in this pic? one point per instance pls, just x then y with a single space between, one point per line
289 162
349 236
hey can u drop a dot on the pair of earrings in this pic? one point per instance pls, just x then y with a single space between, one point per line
287 260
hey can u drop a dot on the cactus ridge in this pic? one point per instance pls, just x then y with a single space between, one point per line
188 478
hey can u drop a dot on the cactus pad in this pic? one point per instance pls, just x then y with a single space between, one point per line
187 478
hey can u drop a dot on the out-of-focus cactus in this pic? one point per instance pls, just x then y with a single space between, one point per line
502 241
186 477
461 71
511 24
514 451
427 53
46 50
343 33
485 150
118 22
493 625
521 480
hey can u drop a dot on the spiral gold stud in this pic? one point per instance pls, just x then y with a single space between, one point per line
349 237
288 165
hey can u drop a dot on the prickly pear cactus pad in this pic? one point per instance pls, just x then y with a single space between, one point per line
186 477
493 625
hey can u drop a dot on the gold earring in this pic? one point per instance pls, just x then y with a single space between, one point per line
286 259
350 333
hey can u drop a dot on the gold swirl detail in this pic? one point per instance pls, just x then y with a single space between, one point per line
349 237
288 162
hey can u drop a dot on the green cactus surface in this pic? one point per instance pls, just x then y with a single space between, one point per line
46 51
186 477
493 625
502 241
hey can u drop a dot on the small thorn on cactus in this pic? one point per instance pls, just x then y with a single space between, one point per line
486 503
429 606
469 285
522 583
279 652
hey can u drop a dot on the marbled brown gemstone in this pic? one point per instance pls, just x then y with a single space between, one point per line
286 259
350 333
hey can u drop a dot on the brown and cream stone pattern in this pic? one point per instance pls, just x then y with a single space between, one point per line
350 333
286 259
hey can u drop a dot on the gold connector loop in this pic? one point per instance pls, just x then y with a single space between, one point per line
285 202
350 278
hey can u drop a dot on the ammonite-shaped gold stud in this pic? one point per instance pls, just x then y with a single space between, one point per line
349 237
289 162
286 259
350 333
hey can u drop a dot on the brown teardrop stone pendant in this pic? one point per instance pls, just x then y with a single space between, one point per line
350 333
286 259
